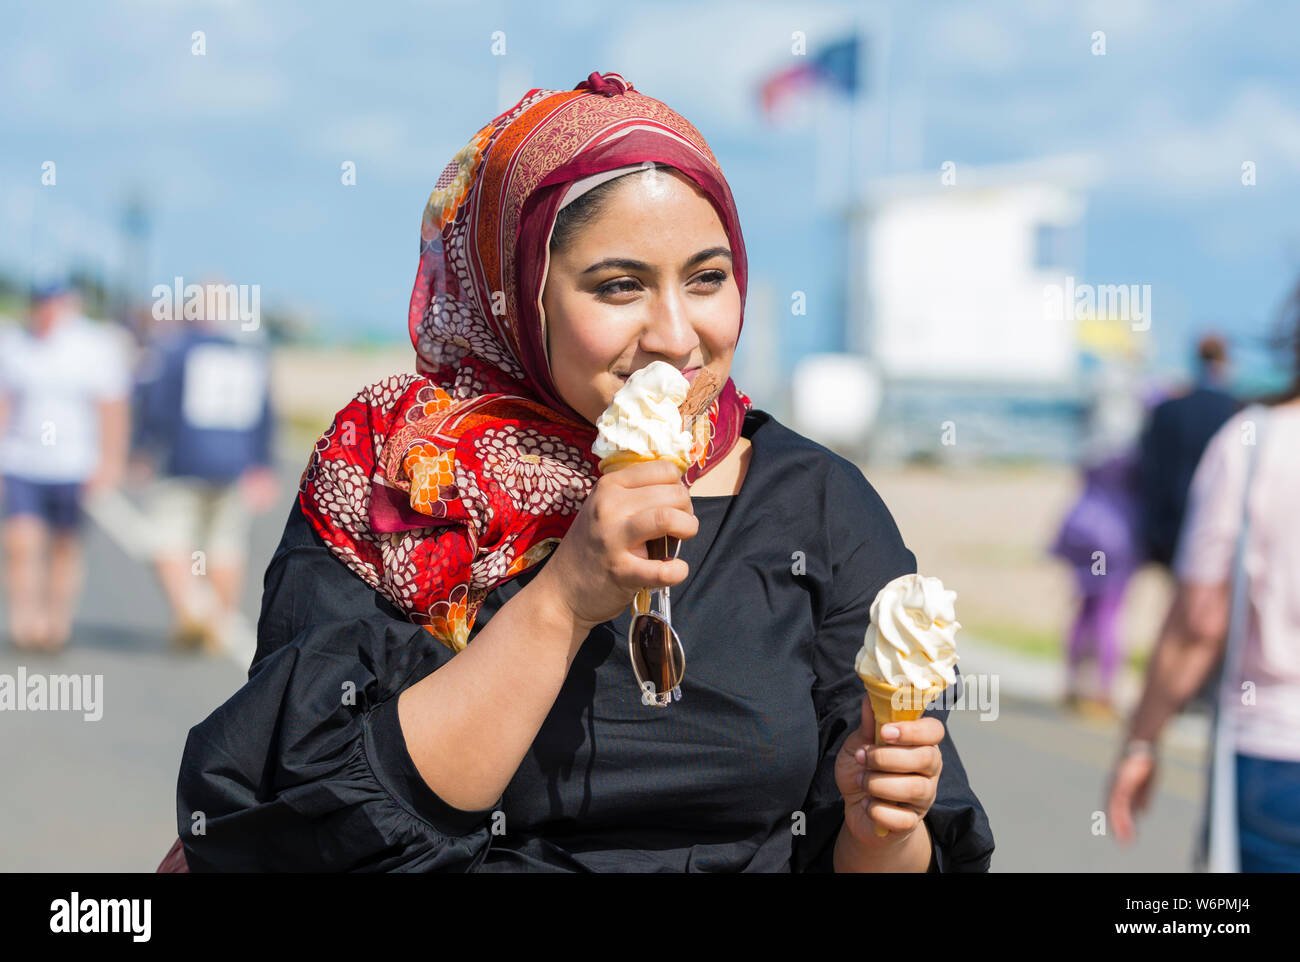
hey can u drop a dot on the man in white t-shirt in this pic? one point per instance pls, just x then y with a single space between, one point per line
64 384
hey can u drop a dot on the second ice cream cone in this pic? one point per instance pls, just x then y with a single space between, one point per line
911 706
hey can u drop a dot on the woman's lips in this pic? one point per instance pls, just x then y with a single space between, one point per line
689 374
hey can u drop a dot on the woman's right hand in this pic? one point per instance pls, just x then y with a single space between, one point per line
1130 793
602 561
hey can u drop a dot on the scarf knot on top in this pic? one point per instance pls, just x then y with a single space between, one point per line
608 84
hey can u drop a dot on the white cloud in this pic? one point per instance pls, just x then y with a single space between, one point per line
974 40
45 234
1132 25
387 143
1160 153
1128 20
114 72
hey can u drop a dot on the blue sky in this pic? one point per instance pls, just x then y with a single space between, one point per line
239 150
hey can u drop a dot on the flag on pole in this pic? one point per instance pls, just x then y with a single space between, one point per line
834 65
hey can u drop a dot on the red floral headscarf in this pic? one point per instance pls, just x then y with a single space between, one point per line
437 486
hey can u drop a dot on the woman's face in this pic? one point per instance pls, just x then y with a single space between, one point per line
649 279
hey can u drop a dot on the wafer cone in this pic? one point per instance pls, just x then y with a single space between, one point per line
913 704
623 459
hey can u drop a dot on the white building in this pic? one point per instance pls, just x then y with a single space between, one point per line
954 273
948 307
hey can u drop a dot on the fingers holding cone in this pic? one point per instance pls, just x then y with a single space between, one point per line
625 459
886 704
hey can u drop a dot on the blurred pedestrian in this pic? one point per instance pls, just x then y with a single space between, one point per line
1238 486
64 383
1172 442
1099 537
204 427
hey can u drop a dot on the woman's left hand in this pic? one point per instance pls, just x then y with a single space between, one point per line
892 785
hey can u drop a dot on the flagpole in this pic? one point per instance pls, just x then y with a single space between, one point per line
827 193
850 339
855 110
872 110
887 161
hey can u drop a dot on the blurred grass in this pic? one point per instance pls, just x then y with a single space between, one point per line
1034 642
298 434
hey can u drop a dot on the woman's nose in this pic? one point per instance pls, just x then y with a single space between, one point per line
668 330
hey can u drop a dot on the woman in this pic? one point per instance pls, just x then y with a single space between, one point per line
442 680
1265 720
1099 539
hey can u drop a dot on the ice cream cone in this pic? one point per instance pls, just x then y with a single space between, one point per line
912 706
625 459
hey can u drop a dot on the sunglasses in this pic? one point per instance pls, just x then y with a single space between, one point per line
658 660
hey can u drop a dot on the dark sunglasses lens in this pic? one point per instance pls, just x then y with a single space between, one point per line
656 655
663 549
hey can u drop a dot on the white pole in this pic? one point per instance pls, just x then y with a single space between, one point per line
827 191
886 39
868 104
873 58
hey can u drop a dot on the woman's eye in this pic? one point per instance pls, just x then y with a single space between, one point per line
617 287
711 279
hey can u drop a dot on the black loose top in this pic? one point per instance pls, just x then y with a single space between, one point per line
305 767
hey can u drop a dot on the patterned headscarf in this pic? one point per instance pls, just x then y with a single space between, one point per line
437 486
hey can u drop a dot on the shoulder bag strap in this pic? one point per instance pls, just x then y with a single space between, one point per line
1223 842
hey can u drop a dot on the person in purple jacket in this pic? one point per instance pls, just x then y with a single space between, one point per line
204 425
1100 536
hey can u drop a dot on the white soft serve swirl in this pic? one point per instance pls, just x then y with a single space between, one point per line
911 640
644 416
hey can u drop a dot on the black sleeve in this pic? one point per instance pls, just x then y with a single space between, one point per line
1153 486
305 767
869 555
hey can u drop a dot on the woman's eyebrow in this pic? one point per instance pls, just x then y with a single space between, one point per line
629 264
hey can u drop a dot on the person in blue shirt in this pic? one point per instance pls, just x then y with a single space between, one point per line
1173 440
1172 444
205 425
